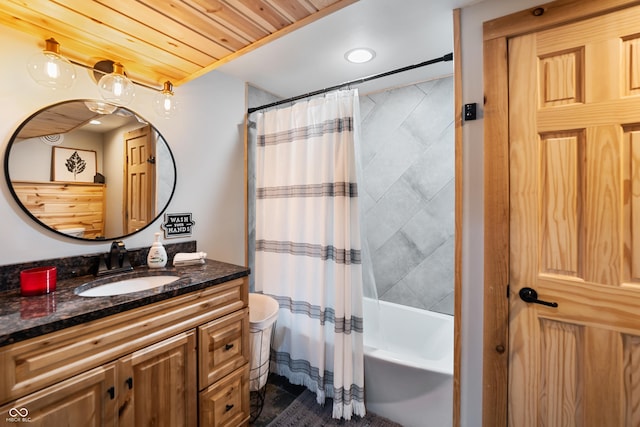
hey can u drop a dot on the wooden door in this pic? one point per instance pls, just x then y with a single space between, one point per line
139 194
159 384
86 400
574 135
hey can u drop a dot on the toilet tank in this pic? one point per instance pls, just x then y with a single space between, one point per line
75 232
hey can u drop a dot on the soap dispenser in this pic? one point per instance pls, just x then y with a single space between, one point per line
157 257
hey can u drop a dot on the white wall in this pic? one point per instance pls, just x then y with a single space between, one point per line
472 18
205 140
31 158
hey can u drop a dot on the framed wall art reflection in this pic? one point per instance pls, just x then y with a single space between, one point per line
73 164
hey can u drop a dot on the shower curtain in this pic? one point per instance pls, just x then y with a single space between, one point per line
308 252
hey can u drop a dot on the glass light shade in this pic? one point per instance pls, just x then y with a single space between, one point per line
100 107
51 69
116 87
164 101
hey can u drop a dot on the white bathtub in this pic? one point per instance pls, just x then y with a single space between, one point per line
408 364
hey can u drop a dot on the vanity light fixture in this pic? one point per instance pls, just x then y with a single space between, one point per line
360 55
51 69
116 87
100 107
164 102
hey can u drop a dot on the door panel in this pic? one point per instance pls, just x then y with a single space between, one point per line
140 179
574 132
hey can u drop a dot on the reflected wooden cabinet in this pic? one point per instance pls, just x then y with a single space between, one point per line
178 363
65 205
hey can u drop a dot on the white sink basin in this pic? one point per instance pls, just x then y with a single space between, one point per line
127 286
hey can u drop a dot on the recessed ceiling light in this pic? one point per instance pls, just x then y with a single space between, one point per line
360 55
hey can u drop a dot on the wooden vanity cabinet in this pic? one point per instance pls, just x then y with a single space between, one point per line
141 367
224 370
87 399
223 403
158 384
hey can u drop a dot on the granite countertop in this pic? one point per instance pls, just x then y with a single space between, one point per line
22 318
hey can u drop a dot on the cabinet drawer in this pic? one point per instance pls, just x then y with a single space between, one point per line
226 403
223 347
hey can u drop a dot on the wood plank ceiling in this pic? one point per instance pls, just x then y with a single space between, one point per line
159 40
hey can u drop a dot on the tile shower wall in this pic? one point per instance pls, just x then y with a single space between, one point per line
408 198
408 163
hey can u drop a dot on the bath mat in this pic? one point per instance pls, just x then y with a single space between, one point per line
305 412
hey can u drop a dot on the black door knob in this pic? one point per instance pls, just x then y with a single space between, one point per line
531 296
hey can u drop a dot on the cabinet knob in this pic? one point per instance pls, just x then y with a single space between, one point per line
112 392
129 383
228 407
228 347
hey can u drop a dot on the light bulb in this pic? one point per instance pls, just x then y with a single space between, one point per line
116 87
164 102
51 69
360 55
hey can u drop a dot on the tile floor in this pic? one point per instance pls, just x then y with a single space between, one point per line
279 394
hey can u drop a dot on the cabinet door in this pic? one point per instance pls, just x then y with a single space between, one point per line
226 403
158 384
85 400
224 346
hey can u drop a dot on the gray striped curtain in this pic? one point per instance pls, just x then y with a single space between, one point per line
308 251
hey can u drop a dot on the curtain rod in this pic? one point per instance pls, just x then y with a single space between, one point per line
447 57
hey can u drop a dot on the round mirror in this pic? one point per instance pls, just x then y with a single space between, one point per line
90 170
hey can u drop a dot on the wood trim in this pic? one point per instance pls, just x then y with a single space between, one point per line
245 135
496 231
457 280
554 13
496 184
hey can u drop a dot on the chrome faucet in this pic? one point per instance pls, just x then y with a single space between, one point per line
116 261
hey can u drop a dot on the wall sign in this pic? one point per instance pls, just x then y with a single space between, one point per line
177 225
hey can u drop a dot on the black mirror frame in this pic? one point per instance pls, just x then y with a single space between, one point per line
34 218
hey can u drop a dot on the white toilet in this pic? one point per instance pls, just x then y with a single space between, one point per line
74 232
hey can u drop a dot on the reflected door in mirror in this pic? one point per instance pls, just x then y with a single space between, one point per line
140 179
